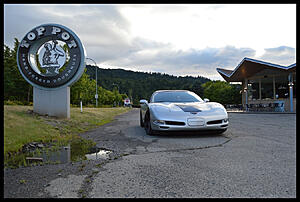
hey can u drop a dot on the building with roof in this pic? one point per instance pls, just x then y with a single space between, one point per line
266 86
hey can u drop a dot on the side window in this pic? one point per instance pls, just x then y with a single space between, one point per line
152 97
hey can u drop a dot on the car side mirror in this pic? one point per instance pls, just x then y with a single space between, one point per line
143 102
206 100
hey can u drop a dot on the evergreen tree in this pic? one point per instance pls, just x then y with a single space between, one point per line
15 86
141 85
135 85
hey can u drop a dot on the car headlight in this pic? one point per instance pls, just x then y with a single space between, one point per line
159 122
225 120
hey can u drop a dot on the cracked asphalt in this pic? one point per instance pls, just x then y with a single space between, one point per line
254 158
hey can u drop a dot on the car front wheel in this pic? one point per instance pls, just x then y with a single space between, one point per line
147 125
141 120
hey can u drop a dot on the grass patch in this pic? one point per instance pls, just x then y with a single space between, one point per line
21 126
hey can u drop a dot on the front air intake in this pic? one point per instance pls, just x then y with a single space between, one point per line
214 122
176 123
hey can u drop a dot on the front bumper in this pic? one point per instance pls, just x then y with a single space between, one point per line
192 123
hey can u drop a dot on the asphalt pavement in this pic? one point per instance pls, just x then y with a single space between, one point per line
254 158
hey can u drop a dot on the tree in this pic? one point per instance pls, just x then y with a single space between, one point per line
198 89
15 86
222 92
84 90
140 85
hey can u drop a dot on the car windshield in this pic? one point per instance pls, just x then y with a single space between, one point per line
176 96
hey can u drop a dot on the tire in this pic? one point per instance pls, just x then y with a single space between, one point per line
141 120
147 125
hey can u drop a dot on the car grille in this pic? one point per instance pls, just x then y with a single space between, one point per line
177 123
214 122
195 121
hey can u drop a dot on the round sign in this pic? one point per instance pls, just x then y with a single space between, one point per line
51 56
127 101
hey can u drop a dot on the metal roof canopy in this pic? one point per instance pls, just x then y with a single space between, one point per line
249 67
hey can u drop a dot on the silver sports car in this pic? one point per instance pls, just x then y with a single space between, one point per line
181 110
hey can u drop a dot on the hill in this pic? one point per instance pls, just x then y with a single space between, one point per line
140 85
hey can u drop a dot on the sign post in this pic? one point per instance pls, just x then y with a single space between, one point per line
51 58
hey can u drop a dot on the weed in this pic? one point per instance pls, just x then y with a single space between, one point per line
22 181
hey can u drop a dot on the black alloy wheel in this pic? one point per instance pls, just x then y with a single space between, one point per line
141 120
147 125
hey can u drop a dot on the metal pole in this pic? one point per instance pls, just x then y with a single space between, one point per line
246 93
96 95
96 89
274 88
259 88
118 91
291 98
290 78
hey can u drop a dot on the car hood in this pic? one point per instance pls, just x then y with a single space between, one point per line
194 107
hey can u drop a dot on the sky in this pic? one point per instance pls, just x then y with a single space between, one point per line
176 39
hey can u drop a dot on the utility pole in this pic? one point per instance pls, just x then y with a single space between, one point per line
96 95
118 90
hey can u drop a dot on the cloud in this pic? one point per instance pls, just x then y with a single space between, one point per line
102 29
95 25
163 58
282 55
108 38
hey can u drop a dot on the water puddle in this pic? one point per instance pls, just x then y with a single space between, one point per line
38 154
103 154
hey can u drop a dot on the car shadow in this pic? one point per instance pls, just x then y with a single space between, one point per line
188 134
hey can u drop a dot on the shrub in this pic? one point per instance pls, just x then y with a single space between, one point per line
17 102
13 102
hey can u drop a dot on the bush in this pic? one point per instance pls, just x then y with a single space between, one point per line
27 103
74 105
8 102
14 102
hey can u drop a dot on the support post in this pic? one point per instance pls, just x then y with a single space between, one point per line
290 77
246 93
259 88
274 90
52 102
